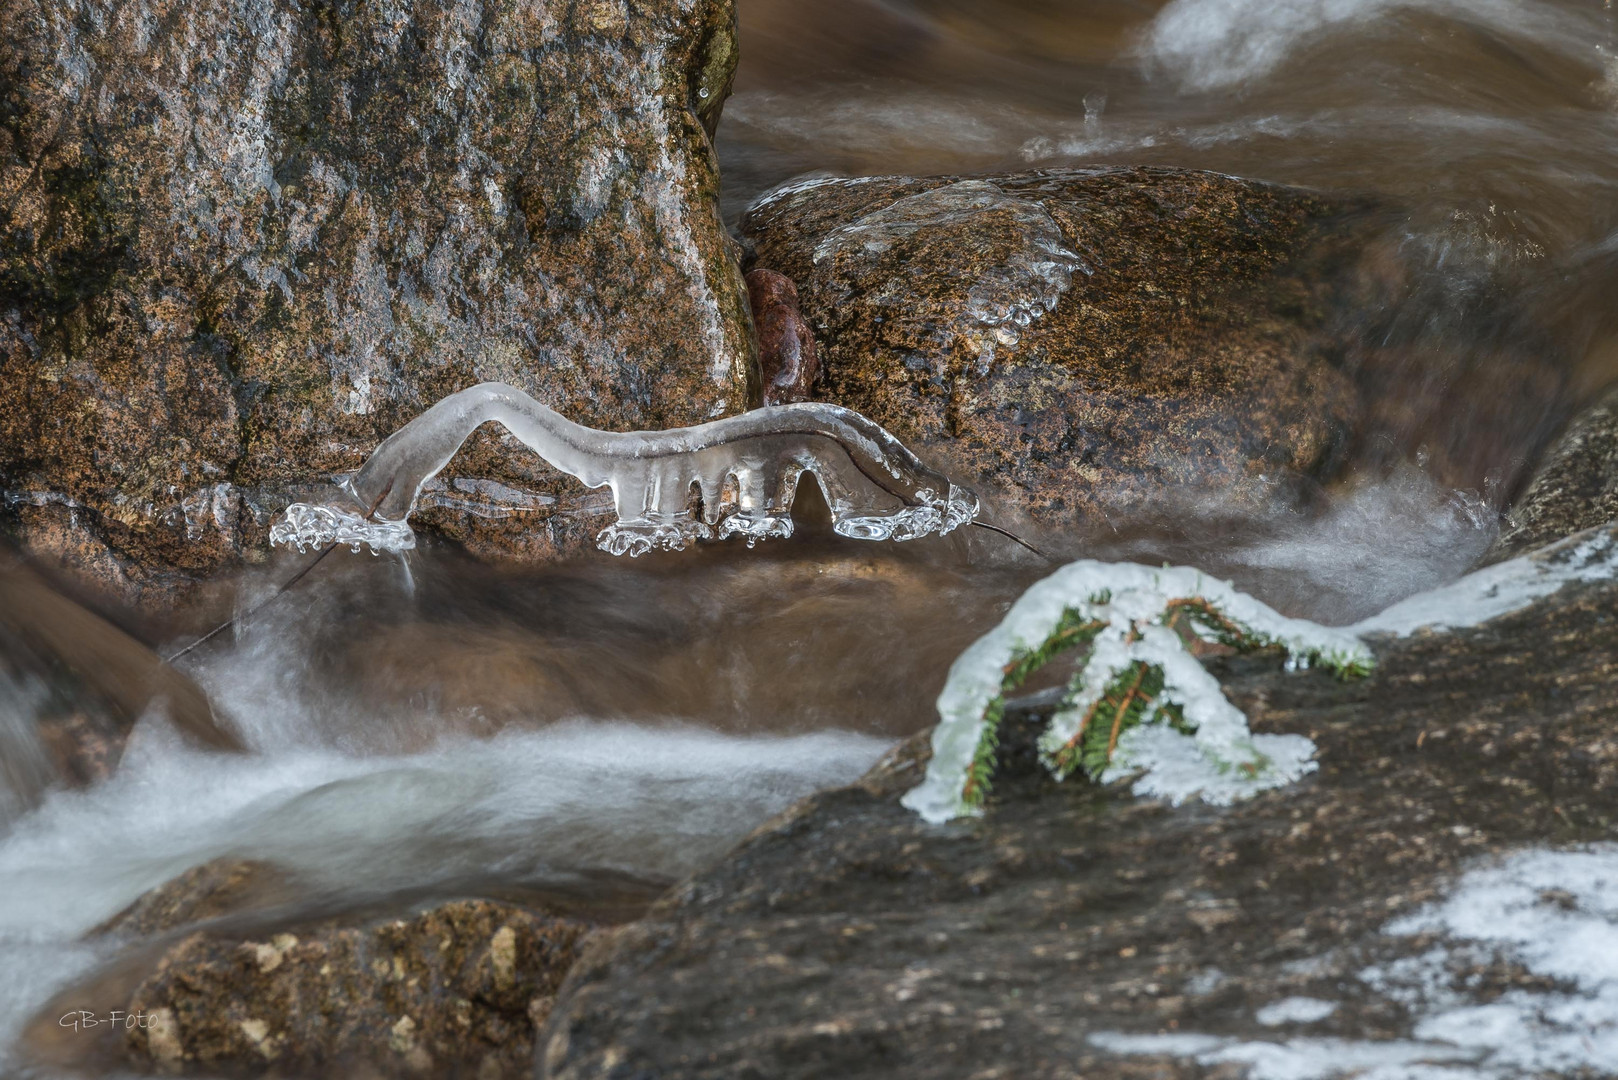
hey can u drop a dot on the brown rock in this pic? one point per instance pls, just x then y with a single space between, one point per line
787 363
75 686
1088 340
241 245
1574 488
850 939
455 990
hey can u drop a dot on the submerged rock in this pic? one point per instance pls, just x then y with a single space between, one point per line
1077 931
245 241
1085 341
72 687
225 886
1575 487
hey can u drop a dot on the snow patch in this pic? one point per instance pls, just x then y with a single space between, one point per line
1295 1010
1554 913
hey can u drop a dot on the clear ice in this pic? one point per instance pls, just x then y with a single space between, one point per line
732 477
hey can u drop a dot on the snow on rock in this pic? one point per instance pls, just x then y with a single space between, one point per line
1219 760
1211 755
1555 913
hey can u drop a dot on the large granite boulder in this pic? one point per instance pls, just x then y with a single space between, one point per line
1418 902
241 241
1083 342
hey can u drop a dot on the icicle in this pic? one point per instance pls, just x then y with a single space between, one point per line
744 468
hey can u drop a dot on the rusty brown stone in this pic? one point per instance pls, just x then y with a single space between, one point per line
787 362
457 989
1082 342
241 245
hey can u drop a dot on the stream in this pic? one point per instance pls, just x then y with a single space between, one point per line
424 726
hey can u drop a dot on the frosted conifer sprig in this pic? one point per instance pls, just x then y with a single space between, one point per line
1139 702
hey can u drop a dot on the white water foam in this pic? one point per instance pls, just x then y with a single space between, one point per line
538 807
1503 588
1214 44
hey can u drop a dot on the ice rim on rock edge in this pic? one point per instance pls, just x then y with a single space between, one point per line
1168 723
732 477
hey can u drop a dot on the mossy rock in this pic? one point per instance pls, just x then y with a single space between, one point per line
240 246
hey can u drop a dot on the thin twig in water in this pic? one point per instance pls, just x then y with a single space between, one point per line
1012 536
276 595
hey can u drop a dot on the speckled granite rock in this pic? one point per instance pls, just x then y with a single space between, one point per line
1084 337
243 240
1574 488
456 990
850 939
1088 340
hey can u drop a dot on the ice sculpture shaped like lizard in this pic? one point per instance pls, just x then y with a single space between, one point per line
745 467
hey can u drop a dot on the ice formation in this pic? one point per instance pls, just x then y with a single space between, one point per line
1140 702
730 477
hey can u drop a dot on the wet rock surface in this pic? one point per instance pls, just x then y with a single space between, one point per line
1574 488
849 938
455 989
788 366
243 242
1083 340
225 886
73 686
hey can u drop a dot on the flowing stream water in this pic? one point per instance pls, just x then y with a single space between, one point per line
590 732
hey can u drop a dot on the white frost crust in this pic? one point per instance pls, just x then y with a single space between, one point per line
1295 1010
1503 588
1221 763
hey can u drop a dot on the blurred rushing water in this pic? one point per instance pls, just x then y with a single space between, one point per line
1491 124
591 731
